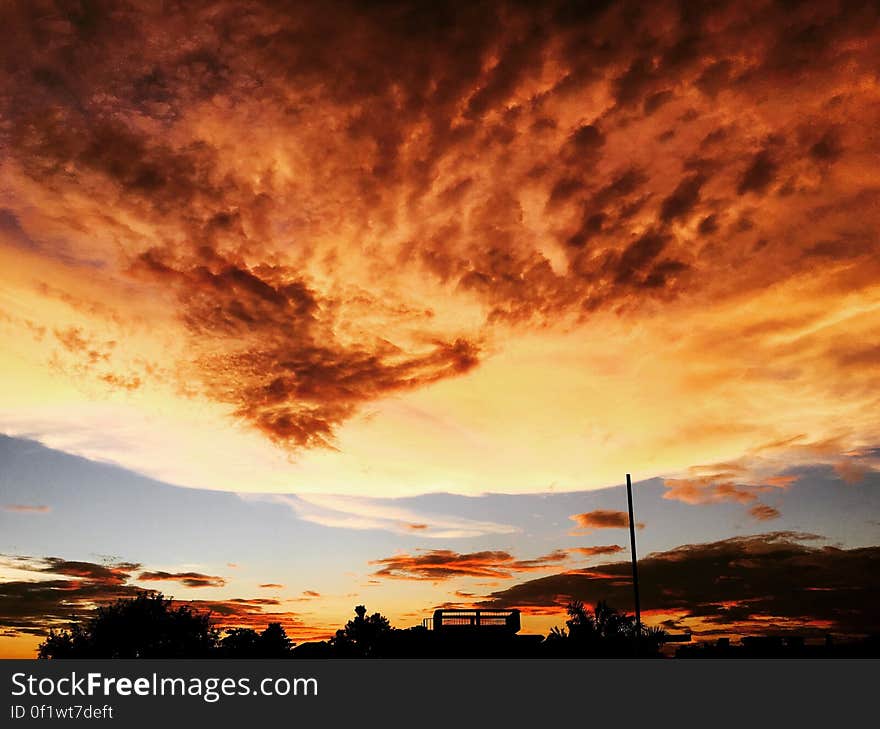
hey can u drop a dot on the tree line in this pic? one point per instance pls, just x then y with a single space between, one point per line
153 626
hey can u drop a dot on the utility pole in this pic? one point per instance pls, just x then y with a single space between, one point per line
632 542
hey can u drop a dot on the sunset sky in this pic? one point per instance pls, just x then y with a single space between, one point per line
311 304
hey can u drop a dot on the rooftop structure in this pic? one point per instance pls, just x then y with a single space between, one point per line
485 621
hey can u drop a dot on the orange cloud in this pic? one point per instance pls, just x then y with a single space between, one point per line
444 564
284 236
763 512
708 490
27 508
852 471
603 519
598 550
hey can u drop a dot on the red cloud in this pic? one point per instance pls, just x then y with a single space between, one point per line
444 564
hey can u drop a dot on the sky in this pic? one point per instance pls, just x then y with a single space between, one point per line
380 302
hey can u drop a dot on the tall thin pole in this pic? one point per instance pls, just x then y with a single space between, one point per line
635 561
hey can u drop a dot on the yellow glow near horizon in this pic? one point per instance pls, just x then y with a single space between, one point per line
560 410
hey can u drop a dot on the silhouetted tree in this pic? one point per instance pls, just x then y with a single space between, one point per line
274 643
604 631
147 626
612 624
652 639
240 643
363 635
581 625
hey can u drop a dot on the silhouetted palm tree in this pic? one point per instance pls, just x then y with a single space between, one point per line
603 631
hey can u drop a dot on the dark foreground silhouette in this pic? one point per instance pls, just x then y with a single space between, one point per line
152 626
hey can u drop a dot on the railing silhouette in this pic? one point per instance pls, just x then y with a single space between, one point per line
495 620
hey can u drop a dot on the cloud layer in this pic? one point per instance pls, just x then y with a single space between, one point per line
774 582
51 592
444 564
283 216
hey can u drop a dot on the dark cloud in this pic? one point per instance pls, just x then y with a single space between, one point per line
635 261
656 100
827 148
760 173
715 77
742 584
33 606
444 564
75 588
12 231
683 199
187 579
586 139
105 574
840 249
708 225
288 374
631 86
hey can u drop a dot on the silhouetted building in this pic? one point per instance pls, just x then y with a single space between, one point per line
477 622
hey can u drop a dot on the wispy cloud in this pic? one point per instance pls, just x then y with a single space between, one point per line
349 512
